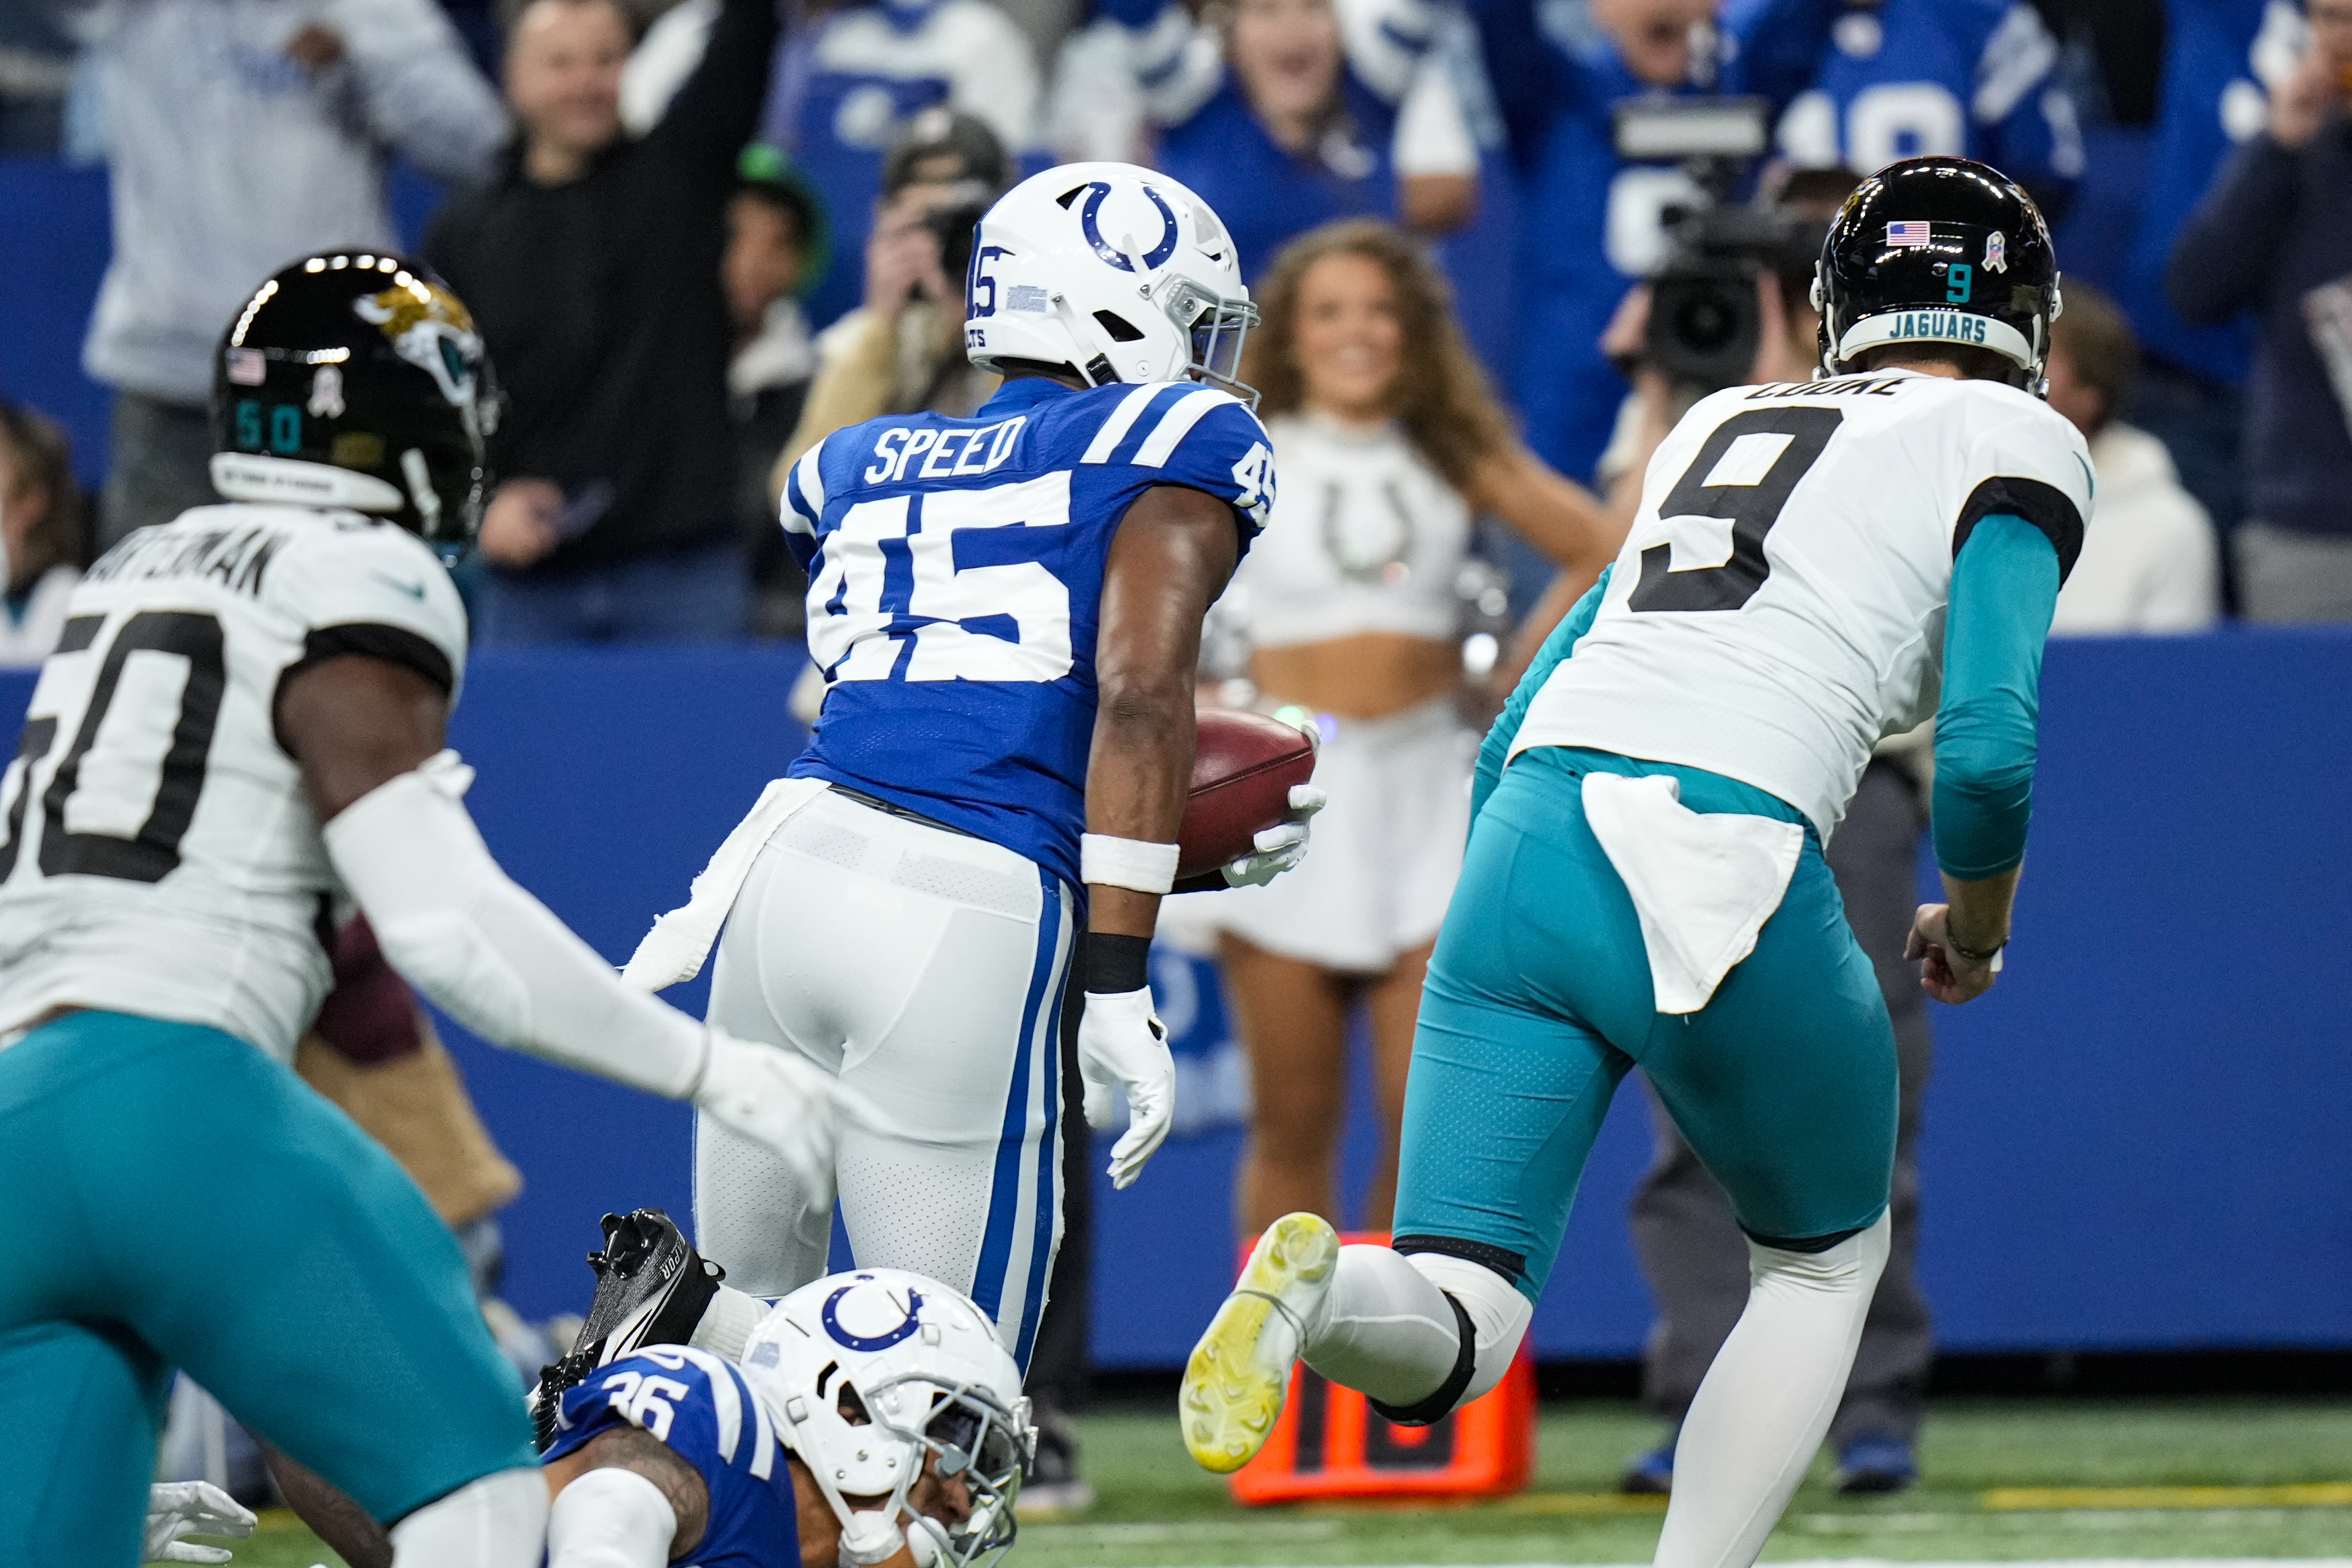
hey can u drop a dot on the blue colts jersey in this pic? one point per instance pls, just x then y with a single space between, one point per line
955 587
702 1408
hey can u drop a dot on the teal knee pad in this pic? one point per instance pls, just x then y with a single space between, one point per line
85 1406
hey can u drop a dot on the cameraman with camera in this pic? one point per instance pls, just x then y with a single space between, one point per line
901 352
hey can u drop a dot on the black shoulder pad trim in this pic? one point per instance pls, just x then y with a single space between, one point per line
367 639
2046 507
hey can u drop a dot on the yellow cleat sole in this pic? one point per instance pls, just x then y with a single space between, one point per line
1234 1389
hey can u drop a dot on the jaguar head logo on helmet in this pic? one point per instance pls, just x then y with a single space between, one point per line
356 379
1115 272
1938 250
905 1406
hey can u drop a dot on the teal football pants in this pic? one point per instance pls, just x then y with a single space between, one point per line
1539 1002
178 1199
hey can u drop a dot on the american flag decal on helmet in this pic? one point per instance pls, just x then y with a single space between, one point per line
1906 235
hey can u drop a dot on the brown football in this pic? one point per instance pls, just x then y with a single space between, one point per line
1244 765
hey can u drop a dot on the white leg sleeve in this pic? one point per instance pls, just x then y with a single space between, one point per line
459 928
610 1519
498 1522
1767 1401
1387 1330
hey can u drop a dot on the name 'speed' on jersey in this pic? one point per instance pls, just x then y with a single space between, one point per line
1779 605
703 1411
955 587
160 856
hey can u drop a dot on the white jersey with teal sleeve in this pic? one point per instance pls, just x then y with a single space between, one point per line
1778 604
160 857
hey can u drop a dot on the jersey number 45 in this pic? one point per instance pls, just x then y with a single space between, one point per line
1008 621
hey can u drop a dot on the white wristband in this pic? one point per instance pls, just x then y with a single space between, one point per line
1106 861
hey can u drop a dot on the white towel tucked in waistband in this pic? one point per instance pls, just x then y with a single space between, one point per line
674 950
1702 884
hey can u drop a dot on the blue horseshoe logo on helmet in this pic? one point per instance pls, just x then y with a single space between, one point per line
905 1331
1157 257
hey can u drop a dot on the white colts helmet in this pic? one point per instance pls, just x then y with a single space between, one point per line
869 1375
1119 273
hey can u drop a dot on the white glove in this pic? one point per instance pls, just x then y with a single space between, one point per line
785 1104
1122 1044
1280 847
181 1508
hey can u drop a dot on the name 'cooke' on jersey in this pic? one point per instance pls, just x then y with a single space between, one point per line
955 579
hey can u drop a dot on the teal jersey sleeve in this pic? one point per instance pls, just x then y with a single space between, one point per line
1496 749
2004 591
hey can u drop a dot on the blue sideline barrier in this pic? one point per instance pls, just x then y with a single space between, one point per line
2137 1142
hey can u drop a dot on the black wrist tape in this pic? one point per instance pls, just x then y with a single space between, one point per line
1117 964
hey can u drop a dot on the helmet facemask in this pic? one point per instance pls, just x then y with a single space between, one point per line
958 1435
1217 328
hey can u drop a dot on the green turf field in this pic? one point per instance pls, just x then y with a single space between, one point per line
1157 1508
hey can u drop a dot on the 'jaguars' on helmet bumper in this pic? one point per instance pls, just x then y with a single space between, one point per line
1938 251
354 379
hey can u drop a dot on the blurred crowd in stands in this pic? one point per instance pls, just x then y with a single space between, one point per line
698 235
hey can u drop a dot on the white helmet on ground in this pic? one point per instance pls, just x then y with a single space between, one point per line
1119 273
869 1375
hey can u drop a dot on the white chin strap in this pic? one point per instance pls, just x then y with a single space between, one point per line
282 481
1936 329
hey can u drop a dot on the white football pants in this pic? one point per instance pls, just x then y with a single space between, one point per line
925 968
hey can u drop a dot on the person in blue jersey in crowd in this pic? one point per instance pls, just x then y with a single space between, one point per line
1908 79
1289 114
2274 236
2222 60
1645 883
869 1418
1592 223
1007 611
847 84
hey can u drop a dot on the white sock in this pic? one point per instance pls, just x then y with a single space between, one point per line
1766 1403
727 1323
498 1522
1385 1328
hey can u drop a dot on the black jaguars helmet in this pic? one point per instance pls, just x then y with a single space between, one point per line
1940 251
356 379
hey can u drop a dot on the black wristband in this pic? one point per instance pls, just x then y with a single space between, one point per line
1970 954
1117 964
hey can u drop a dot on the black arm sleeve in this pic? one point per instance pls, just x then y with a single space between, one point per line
2220 262
718 109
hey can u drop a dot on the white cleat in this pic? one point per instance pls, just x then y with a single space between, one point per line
1238 1375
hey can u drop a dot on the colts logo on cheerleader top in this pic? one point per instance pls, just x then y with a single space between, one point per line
864 1315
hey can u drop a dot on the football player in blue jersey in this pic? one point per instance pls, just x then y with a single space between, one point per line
1591 222
1006 610
1910 78
869 1420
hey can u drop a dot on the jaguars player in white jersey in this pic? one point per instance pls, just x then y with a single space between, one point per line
242 725
1815 565
1006 610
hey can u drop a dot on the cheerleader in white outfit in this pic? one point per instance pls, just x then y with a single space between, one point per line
1388 442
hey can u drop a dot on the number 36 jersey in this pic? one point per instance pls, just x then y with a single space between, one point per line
955 586
160 856
1779 605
